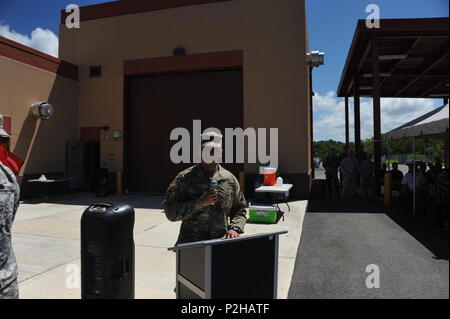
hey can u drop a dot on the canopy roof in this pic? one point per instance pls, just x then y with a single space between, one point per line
432 123
413 57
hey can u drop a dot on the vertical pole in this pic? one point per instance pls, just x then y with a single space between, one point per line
357 121
311 110
414 176
446 151
347 138
376 111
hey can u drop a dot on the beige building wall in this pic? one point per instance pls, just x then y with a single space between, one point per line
272 35
41 143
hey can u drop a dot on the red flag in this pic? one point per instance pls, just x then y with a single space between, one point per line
10 160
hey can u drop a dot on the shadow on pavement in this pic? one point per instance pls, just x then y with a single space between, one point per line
87 199
435 240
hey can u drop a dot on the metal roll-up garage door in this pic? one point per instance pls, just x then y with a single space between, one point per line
159 103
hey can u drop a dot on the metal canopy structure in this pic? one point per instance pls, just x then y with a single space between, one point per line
401 58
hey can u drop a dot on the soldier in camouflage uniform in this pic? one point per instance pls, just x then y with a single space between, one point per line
9 202
206 214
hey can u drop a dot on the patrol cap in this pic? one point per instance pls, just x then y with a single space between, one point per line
214 139
212 145
2 131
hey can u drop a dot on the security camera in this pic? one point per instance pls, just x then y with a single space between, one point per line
42 110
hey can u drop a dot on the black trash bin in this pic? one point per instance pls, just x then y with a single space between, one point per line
107 252
102 182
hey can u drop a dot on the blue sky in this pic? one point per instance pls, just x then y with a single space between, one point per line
331 25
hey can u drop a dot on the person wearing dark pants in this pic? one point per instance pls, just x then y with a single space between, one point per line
331 164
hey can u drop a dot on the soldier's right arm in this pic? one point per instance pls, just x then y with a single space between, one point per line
176 204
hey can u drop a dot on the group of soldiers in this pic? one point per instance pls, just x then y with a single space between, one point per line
342 174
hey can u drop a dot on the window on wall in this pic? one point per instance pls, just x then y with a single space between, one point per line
95 71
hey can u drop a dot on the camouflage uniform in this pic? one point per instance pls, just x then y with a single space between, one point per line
182 202
349 169
9 202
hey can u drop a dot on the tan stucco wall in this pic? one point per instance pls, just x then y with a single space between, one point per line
42 144
271 33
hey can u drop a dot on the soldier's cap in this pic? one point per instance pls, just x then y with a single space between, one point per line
213 139
211 134
212 145
2 131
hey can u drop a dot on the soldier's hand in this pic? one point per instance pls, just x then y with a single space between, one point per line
231 234
209 198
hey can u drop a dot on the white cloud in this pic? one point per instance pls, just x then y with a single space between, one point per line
40 39
329 112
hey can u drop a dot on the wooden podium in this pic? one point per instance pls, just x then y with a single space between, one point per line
240 268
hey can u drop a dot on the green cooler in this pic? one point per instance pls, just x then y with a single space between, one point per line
262 214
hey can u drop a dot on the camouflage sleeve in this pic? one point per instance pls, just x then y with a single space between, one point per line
16 198
238 211
176 207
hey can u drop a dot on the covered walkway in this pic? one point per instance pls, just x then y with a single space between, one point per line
402 58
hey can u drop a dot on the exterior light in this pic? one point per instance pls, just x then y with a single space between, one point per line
41 110
315 58
117 135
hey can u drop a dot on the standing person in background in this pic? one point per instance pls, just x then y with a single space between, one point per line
349 169
397 177
9 202
383 171
410 183
367 179
436 170
331 165
340 158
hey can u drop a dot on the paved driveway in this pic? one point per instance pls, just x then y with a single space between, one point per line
338 243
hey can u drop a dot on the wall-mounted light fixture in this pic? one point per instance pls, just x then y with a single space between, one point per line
117 135
41 110
315 58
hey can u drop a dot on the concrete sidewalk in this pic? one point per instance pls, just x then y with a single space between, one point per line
46 239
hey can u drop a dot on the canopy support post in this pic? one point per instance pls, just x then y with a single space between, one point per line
376 111
347 138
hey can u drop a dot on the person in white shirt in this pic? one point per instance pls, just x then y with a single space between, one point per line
408 179
408 186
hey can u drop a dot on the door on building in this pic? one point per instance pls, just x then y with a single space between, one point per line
157 104
92 164
75 164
